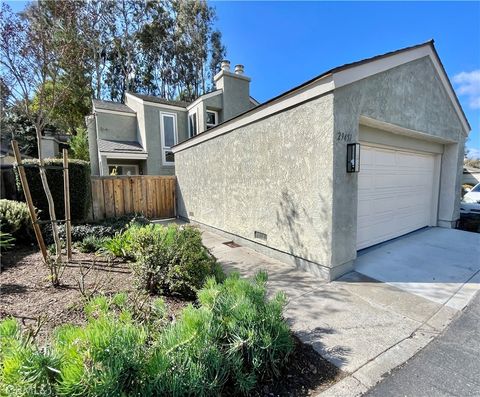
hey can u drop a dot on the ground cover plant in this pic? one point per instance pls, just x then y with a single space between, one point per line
233 338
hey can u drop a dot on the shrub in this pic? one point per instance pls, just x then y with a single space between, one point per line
6 242
171 259
228 343
90 244
120 245
15 219
105 228
255 339
79 178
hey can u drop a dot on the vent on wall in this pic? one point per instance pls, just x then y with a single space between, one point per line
260 235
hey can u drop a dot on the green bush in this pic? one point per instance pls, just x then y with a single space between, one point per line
91 244
79 178
120 245
15 219
233 339
7 242
105 228
171 259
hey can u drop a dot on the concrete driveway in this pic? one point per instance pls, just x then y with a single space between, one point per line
441 265
370 321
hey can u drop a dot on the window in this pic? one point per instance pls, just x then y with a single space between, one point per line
122 169
212 118
168 126
192 124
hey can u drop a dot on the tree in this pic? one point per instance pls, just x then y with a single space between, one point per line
79 145
34 53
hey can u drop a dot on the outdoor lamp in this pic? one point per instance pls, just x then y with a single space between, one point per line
353 157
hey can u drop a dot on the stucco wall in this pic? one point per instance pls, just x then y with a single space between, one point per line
273 176
154 164
410 96
116 127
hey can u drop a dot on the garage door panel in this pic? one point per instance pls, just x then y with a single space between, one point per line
394 194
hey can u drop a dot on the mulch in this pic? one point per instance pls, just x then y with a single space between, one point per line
27 294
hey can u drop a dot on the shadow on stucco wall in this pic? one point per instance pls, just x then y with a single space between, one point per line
296 222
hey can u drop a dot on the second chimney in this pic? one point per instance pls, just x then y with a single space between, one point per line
239 69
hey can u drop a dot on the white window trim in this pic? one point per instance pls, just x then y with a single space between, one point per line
206 118
137 171
162 136
195 114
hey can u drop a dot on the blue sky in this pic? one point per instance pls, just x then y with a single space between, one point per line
283 44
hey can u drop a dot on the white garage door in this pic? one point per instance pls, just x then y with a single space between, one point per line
395 193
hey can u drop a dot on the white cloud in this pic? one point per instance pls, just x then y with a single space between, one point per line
468 84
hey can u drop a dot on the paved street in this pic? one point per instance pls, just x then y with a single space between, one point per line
448 366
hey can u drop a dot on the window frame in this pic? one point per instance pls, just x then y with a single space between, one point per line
215 112
165 148
195 116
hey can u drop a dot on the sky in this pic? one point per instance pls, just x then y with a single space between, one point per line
283 44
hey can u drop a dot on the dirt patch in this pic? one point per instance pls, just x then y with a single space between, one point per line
27 294
306 374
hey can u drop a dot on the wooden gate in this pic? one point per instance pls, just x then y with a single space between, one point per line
152 196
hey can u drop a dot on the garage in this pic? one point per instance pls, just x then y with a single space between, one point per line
396 193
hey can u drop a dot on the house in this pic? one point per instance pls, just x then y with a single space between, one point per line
358 155
137 137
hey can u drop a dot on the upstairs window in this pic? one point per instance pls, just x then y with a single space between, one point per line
212 119
169 137
192 124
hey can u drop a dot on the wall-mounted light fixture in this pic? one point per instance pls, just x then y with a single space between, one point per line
353 157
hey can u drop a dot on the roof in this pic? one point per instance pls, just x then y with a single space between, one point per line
212 132
107 145
163 101
109 105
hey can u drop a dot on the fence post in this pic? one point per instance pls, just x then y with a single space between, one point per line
28 197
66 195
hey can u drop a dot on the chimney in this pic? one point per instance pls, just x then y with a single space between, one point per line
236 90
239 69
225 65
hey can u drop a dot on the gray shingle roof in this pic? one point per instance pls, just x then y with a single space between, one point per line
109 105
107 145
163 101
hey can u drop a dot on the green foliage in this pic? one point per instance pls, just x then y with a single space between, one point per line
15 219
229 342
90 244
120 245
79 145
7 242
79 178
255 338
105 228
171 259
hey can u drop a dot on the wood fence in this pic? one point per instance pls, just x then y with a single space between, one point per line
114 196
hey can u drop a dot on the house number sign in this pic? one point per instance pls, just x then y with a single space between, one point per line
344 137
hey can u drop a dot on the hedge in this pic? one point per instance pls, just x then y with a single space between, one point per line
80 196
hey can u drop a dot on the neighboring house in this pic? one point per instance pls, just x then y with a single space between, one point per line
137 137
471 175
276 177
53 144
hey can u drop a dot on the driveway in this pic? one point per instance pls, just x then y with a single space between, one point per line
433 263
370 321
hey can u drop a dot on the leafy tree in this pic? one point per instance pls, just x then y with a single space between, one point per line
33 54
79 145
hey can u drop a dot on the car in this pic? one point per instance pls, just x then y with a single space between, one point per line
470 204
